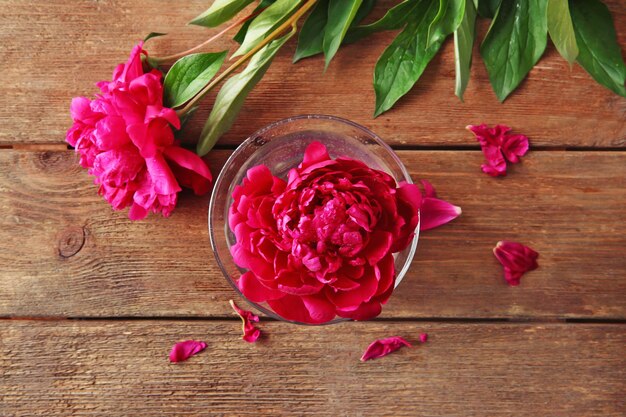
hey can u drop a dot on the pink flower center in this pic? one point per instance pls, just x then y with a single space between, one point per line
321 230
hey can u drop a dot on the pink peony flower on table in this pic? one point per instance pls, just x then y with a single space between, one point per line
383 347
516 259
321 244
124 137
497 144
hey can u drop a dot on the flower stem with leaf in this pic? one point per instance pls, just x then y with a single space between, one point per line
290 22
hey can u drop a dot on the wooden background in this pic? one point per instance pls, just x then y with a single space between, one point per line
91 302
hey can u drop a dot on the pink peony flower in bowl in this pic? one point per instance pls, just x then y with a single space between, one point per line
314 220
125 139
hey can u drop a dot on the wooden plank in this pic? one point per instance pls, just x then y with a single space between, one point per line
65 253
121 368
55 50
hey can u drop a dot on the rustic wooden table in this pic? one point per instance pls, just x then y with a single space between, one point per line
92 302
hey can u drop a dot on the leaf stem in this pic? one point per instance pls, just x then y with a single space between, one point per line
172 58
275 34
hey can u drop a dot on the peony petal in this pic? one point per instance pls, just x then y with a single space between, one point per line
140 136
497 144
378 247
250 333
255 291
516 259
111 133
165 113
409 201
429 190
489 136
435 212
300 289
345 284
148 90
366 311
386 273
515 146
137 212
423 337
319 308
80 109
350 300
496 164
292 308
261 178
163 179
189 169
315 153
245 259
383 347
184 350
133 67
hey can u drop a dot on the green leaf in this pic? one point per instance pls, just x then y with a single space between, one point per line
233 93
599 52
561 29
446 21
488 8
265 23
311 38
189 75
241 33
404 61
220 11
366 7
463 45
516 40
395 18
341 13
153 35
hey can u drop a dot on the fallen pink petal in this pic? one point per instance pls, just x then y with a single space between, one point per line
435 212
517 259
383 347
250 333
423 337
498 146
184 350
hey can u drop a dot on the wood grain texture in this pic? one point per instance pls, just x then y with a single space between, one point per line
55 50
65 253
121 368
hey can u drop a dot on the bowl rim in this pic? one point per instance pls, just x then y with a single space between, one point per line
240 148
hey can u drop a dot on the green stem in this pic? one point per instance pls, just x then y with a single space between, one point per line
275 34
173 58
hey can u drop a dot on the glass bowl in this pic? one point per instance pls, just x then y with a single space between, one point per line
280 146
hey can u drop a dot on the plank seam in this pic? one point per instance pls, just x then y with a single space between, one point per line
459 320
43 147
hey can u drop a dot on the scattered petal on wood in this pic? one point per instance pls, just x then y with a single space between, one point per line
517 259
250 333
383 347
423 337
184 350
498 143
